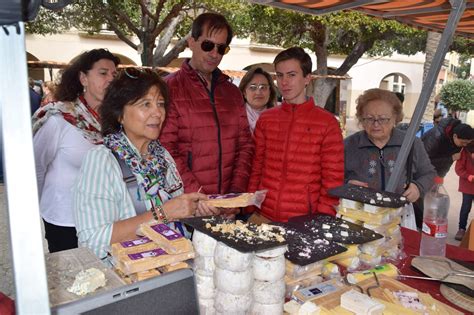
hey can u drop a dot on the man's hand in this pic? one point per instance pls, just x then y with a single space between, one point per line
358 183
412 193
456 156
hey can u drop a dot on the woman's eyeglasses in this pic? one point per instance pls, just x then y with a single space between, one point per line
207 45
372 120
260 87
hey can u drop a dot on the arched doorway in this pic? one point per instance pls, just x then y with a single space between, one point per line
34 73
399 82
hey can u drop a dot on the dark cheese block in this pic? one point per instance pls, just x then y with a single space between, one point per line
369 196
238 241
334 229
304 248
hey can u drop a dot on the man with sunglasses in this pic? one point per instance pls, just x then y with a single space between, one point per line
206 129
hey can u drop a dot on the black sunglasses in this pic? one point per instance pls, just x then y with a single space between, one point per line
207 45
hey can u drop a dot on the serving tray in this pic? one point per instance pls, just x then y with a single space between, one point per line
369 195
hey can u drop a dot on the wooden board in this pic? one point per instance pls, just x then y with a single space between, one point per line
332 301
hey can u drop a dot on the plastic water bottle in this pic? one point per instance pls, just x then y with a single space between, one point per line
435 221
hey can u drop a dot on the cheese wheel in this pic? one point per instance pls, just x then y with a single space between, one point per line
227 302
204 265
206 307
266 292
231 259
264 309
274 252
205 286
269 269
203 244
235 282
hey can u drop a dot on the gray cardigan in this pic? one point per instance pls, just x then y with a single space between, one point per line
365 162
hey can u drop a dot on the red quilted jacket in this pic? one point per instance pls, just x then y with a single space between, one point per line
299 156
208 133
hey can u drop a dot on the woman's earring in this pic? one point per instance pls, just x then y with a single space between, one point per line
85 89
121 128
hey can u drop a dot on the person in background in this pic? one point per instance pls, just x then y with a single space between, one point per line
465 170
63 132
259 94
35 98
206 128
370 154
106 210
49 89
299 150
437 116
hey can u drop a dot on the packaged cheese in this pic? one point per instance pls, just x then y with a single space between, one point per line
382 217
168 239
237 200
143 275
133 246
136 262
388 269
361 304
174 267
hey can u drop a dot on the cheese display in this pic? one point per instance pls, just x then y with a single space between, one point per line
204 265
269 269
87 281
266 292
263 309
205 287
227 302
204 245
272 253
168 239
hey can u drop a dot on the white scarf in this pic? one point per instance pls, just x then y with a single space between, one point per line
253 115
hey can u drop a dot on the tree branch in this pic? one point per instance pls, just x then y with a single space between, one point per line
174 12
147 12
173 53
166 36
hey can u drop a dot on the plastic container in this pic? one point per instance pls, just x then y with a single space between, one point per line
435 221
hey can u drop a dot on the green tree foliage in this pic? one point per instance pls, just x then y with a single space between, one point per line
458 95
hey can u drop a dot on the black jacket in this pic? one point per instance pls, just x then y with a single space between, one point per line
439 145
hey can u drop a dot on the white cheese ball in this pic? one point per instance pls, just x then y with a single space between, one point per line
203 244
266 292
235 282
274 252
269 269
206 307
204 265
227 302
265 309
231 259
205 286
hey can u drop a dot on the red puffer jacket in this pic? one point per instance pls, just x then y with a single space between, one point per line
299 156
208 133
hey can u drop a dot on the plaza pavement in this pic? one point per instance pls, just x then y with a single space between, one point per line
6 273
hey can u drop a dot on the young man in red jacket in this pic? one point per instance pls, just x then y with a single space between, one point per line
206 129
299 151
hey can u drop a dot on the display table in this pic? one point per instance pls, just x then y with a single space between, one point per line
411 243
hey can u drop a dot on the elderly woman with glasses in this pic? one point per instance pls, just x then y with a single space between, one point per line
370 154
132 178
259 93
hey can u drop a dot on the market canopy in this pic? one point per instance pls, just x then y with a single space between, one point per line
424 14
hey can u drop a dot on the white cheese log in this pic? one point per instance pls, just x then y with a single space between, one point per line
265 309
226 302
269 269
274 252
235 282
231 259
266 292
206 307
204 265
205 287
203 244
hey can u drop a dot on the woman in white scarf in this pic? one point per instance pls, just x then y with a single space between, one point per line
259 93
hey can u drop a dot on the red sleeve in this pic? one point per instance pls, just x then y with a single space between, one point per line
169 138
244 154
257 165
332 167
461 165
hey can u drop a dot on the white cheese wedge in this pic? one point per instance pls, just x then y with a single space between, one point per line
309 308
361 304
235 282
203 244
87 281
291 307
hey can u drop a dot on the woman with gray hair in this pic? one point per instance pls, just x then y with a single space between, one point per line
370 154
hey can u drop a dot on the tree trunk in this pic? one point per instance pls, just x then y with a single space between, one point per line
432 42
160 59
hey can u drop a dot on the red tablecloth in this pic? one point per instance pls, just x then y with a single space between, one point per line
411 242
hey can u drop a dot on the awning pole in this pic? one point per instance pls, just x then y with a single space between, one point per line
457 10
20 176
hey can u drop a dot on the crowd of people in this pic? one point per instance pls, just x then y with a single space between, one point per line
115 149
